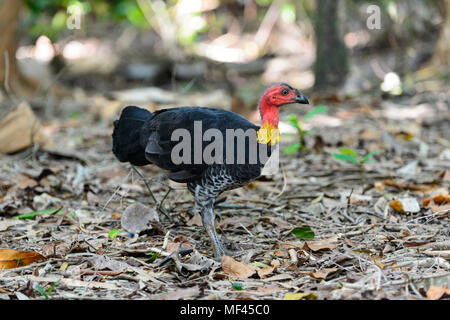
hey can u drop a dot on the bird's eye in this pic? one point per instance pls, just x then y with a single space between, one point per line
285 92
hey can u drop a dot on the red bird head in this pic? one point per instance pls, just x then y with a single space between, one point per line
276 96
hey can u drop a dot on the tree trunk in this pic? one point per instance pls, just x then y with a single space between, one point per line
11 80
9 16
331 66
441 56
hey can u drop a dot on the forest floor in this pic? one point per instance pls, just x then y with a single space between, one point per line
380 231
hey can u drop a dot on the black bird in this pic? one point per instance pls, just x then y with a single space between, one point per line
211 150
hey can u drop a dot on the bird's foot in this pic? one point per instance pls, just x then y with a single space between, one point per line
231 248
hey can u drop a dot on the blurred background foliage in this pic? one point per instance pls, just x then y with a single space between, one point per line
239 45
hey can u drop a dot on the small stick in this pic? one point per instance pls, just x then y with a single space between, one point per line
181 252
159 207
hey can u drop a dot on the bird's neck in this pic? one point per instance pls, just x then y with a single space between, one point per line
268 133
269 113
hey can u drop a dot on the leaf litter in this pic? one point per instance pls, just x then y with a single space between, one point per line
322 228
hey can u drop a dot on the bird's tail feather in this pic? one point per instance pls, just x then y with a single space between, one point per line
126 136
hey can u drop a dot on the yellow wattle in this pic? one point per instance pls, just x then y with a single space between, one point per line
268 134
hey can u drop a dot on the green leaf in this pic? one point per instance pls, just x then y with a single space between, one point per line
371 154
315 111
292 148
345 157
113 233
54 284
349 151
237 285
294 121
42 291
303 232
31 215
153 255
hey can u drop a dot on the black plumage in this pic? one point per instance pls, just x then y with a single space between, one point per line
141 137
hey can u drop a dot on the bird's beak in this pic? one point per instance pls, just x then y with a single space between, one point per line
300 98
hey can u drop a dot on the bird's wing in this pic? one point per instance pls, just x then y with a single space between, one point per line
156 136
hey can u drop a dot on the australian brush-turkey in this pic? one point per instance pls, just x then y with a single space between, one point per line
141 137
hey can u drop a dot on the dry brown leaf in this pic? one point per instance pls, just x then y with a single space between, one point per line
196 220
409 244
403 186
236 222
351 243
10 258
270 289
275 263
291 245
439 199
56 249
440 208
322 274
326 244
280 253
116 215
174 246
280 223
438 203
397 206
236 268
20 129
376 260
264 272
26 182
435 293
370 134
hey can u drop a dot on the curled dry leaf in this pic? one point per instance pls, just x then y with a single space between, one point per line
439 199
10 258
236 268
438 203
435 293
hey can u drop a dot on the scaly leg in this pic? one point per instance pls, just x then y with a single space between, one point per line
208 219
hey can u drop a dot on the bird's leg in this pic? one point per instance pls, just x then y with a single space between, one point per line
208 218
